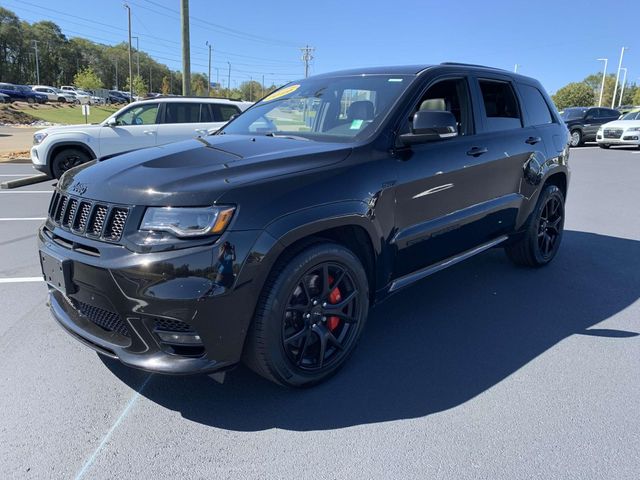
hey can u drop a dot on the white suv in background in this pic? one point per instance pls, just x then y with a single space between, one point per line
138 125
624 131
54 94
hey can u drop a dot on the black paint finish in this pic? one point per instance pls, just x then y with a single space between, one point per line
409 207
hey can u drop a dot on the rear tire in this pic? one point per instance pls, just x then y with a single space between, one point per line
309 317
31 100
66 159
540 242
576 138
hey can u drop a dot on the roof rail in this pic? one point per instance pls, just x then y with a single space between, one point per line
472 65
193 96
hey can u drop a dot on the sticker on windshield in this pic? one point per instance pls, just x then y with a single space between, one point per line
281 93
356 124
394 80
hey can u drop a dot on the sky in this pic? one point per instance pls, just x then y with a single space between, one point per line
556 42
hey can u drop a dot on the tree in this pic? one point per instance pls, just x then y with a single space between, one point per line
576 94
251 91
139 86
166 86
87 79
636 97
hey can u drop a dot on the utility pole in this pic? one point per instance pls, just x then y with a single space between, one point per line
35 46
130 57
186 49
615 89
515 68
604 75
116 73
229 79
218 77
624 80
307 56
150 89
251 88
137 54
209 74
262 92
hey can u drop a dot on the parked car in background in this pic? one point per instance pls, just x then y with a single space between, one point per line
116 97
623 109
269 242
624 131
583 122
141 124
91 99
4 98
22 93
54 94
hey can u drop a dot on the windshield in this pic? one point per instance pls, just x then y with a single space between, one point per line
631 116
334 109
572 113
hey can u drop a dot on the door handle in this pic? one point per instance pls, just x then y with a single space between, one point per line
477 151
533 140
149 132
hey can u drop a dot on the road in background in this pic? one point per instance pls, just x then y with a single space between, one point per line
484 370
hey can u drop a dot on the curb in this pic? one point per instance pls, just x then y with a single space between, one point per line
21 182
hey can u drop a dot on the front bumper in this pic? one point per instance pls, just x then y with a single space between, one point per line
627 138
119 298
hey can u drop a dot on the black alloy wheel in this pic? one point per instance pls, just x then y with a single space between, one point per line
67 159
309 317
320 317
540 241
549 226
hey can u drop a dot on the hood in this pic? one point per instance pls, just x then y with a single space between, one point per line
198 171
80 128
622 124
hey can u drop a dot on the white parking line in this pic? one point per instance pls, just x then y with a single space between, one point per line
18 219
17 175
21 279
107 436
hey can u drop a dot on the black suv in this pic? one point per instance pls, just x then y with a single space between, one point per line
269 241
583 122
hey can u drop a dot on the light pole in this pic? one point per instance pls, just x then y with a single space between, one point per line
515 68
209 74
615 88
35 46
137 54
116 73
229 79
130 62
624 80
604 74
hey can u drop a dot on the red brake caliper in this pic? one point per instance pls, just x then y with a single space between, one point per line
334 297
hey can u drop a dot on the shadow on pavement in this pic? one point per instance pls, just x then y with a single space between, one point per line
432 347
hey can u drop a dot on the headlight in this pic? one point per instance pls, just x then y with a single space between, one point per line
187 221
633 129
39 137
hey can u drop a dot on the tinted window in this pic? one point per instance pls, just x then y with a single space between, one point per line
205 113
536 106
222 113
500 106
450 96
608 113
181 112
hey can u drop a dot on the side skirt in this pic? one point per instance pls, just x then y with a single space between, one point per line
436 267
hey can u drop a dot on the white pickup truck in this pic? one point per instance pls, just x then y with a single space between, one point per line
140 124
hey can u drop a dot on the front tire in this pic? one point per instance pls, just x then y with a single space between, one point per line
576 138
309 317
541 240
604 145
66 159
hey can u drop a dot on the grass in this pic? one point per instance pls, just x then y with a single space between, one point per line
70 115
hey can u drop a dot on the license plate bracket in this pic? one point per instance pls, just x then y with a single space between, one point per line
58 272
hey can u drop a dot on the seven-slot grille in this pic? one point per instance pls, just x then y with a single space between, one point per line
91 219
612 133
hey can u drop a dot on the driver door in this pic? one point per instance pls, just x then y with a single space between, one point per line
136 127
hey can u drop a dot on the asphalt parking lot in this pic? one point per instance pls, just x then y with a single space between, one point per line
481 371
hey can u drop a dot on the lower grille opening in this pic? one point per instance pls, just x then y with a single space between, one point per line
109 321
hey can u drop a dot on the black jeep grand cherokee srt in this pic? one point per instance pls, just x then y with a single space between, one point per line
269 241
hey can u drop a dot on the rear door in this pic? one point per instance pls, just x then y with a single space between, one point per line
593 119
222 113
136 127
184 120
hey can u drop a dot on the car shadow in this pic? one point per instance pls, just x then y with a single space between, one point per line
433 346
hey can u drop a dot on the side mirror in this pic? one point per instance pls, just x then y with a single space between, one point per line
111 122
430 125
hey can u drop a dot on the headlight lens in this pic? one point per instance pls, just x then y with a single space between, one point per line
633 129
39 137
187 221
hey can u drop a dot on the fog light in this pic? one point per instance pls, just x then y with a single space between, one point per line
180 338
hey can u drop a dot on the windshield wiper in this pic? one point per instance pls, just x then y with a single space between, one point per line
292 137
